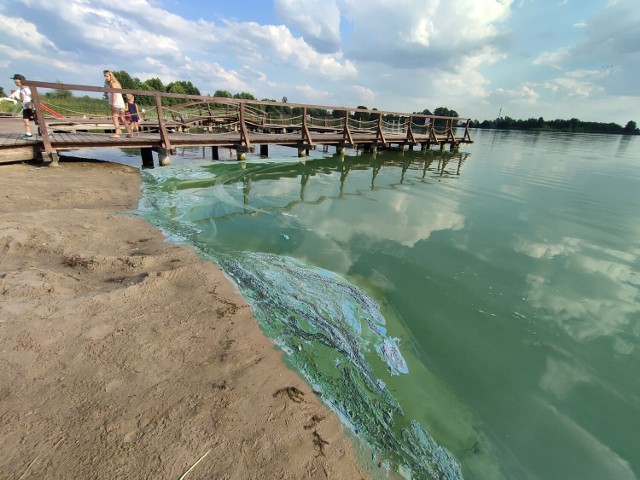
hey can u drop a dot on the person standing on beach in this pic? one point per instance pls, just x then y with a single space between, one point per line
117 104
133 114
27 106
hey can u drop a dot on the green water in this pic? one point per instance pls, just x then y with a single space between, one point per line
483 303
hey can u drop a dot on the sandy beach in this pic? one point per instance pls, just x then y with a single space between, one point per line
124 356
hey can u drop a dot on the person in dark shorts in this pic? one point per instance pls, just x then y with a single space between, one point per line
133 113
27 106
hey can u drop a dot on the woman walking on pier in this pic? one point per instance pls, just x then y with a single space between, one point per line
117 104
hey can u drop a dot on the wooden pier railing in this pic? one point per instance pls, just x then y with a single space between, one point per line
173 120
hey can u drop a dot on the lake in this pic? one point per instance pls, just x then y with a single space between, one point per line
472 314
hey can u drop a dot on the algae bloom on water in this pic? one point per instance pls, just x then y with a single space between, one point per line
333 333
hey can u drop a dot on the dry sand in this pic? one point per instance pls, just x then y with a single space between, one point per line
123 356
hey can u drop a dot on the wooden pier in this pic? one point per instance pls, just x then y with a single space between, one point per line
237 124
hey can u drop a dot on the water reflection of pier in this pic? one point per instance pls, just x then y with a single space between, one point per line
429 167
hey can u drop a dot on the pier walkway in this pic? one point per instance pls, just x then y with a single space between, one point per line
178 120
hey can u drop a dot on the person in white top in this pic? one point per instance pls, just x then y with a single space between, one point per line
117 104
24 95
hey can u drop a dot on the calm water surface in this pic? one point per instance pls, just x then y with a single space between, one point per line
484 305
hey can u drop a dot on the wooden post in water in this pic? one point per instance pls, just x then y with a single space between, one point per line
147 157
215 155
164 156
264 150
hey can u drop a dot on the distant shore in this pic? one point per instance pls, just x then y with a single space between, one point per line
126 355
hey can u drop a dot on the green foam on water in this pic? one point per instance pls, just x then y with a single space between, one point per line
330 330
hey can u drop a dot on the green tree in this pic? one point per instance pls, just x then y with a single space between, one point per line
364 116
223 94
445 112
631 128
182 86
244 96
176 87
2 94
154 84
126 81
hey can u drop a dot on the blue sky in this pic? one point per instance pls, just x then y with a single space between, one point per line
524 58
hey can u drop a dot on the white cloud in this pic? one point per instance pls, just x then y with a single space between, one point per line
279 42
572 87
553 59
420 34
363 94
15 28
312 94
318 20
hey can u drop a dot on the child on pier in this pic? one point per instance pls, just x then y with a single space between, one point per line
27 107
133 114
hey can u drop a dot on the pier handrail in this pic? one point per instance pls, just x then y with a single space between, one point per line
242 115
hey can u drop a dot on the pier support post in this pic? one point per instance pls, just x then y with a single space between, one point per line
264 150
164 157
147 157
51 158
340 149
241 153
302 152
215 155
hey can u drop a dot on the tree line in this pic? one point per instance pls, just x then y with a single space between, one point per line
573 125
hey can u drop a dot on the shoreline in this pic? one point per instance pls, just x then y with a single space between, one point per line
125 354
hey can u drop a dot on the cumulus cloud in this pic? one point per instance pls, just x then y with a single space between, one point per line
573 87
312 94
424 33
364 94
317 20
553 59
24 33
281 45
